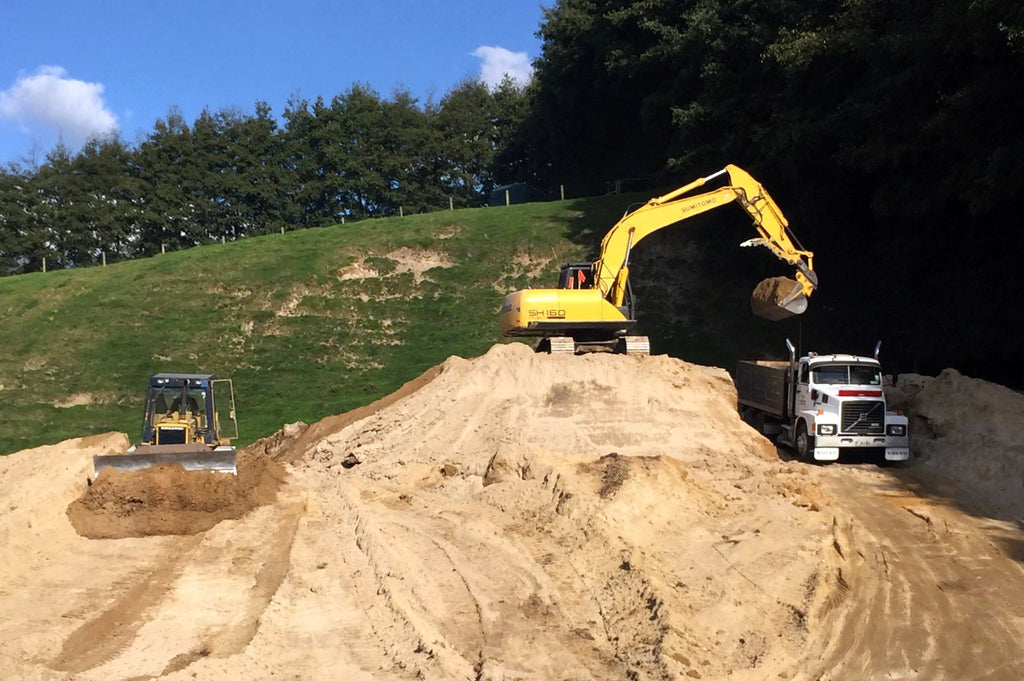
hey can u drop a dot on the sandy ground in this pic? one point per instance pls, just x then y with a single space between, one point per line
514 516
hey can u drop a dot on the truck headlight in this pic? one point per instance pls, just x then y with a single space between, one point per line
896 429
826 429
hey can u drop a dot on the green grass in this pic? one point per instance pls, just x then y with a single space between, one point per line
303 335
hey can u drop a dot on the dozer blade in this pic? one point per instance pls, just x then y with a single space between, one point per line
778 298
194 457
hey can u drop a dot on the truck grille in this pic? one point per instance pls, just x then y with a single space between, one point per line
864 417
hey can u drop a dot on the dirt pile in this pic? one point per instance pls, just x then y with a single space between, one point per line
973 432
511 516
901 390
523 514
768 295
167 499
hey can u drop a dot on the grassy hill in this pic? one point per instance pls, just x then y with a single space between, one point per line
316 322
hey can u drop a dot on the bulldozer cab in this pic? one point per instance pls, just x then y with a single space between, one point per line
185 408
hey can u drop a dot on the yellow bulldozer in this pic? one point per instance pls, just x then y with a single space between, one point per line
189 419
592 307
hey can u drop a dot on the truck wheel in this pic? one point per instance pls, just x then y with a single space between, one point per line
804 443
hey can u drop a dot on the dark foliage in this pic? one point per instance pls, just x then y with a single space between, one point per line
889 132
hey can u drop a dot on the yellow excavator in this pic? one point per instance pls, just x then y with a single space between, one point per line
189 419
592 308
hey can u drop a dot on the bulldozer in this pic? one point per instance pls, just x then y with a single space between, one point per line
189 419
592 309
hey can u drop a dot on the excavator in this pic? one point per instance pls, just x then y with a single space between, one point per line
189 419
592 309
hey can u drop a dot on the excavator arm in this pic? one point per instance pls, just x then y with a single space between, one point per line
612 268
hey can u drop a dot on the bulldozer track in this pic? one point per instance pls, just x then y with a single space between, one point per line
104 636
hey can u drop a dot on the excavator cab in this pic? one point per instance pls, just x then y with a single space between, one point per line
188 419
576 275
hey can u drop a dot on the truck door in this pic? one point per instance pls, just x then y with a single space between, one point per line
803 389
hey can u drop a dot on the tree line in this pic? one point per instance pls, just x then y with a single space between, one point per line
230 174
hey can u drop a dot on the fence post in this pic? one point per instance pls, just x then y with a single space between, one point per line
103 255
44 265
342 219
163 248
400 213
282 230
507 202
223 239
451 203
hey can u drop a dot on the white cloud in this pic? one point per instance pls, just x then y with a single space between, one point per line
497 61
50 99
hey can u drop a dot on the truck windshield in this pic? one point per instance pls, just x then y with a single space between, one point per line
848 374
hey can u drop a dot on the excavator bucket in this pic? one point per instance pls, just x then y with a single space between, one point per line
192 457
778 298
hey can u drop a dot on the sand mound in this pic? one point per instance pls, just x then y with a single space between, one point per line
971 430
167 499
523 514
511 516
901 390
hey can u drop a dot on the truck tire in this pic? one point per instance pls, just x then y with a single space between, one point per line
804 443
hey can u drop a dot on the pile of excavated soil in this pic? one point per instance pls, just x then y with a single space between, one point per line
511 516
767 296
525 514
971 431
167 499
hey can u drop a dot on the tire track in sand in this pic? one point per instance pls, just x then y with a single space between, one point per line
103 637
930 595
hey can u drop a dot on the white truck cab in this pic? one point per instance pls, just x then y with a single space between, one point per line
823 404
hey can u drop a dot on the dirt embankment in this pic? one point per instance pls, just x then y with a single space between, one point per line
167 499
513 516
972 432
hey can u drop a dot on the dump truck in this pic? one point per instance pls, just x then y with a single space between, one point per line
592 309
188 419
822 405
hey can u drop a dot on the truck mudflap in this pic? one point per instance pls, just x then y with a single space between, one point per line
191 457
826 454
897 453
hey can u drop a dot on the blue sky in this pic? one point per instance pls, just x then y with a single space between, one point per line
75 68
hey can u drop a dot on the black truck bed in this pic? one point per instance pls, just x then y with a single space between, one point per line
761 384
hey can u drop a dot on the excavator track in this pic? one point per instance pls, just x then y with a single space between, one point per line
636 345
561 345
566 345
